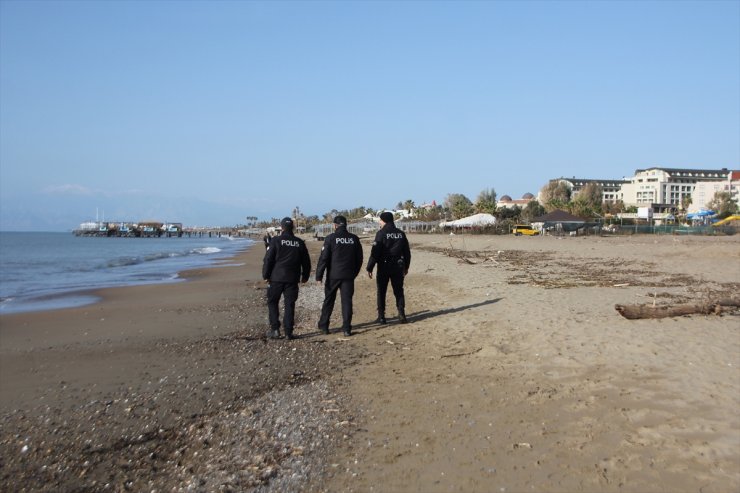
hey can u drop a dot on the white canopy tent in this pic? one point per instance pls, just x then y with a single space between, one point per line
476 220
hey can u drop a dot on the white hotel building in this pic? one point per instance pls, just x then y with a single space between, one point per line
664 189
704 191
667 186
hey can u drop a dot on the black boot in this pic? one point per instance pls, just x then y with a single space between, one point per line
401 307
381 320
273 334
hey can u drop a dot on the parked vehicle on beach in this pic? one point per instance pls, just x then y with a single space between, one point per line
524 229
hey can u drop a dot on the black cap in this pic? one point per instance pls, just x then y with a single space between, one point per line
287 223
386 217
340 220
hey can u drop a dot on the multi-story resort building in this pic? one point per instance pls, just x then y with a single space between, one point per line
704 191
610 188
663 189
667 186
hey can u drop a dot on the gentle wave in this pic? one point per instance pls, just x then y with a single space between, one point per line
207 250
47 270
153 257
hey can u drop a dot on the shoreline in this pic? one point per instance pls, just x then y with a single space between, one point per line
114 296
123 315
135 391
515 372
115 268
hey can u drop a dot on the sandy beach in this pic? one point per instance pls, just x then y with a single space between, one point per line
515 374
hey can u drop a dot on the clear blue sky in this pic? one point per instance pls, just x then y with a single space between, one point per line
207 112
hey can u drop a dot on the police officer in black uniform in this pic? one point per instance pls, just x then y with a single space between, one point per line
341 258
392 254
286 262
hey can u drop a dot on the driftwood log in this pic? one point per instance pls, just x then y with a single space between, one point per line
633 312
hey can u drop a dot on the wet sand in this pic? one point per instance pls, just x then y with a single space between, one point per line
516 373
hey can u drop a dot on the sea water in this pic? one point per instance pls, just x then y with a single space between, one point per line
43 271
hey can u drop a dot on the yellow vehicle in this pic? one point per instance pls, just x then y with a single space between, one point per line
524 229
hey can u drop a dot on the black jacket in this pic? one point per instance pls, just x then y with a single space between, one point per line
286 259
341 256
390 247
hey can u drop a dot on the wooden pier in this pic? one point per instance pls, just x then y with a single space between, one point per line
152 229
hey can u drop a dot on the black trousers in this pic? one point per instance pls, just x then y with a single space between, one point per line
289 292
395 276
347 288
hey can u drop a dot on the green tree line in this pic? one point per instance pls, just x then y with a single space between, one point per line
554 195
